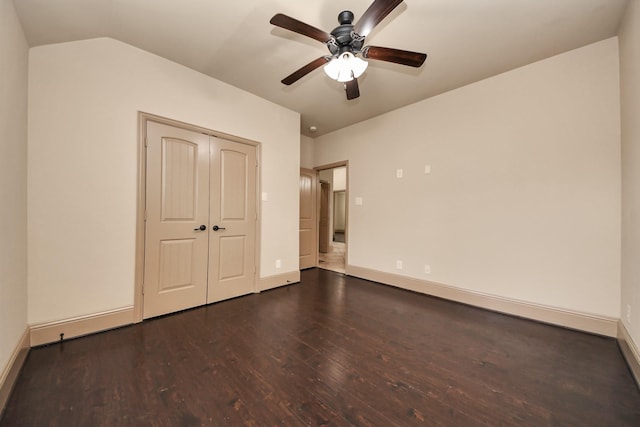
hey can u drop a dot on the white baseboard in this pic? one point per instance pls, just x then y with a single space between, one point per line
12 369
630 351
45 333
595 324
271 282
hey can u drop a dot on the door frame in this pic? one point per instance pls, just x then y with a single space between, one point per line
344 163
143 118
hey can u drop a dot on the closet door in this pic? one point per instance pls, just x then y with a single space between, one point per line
177 219
233 220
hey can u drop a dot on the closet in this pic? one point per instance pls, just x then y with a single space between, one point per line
200 219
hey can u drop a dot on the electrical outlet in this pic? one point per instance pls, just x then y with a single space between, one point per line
427 169
278 263
427 269
629 313
399 173
399 265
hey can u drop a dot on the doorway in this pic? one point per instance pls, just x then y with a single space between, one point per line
333 230
200 218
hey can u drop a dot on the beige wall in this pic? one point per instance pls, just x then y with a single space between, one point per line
339 179
523 198
83 103
13 182
630 102
306 152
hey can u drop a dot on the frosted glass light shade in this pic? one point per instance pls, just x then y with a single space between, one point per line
345 67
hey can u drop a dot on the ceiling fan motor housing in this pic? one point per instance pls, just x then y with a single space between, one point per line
344 39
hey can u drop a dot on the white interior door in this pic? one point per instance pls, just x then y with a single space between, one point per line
201 216
177 206
233 220
308 226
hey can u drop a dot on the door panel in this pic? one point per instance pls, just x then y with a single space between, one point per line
179 179
231 255
307 237
176 259
233 210
233 185
308 227
177 192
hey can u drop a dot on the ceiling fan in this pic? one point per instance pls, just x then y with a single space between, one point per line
345 43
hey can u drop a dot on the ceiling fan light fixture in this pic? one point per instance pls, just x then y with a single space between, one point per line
345 67
345 42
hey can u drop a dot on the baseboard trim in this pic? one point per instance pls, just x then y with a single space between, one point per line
46 333
12 369
629 350
586 322
277 280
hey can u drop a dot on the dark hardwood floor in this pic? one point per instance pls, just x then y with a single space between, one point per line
332 350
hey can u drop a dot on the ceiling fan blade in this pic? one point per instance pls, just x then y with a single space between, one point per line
291 24
300 73
352 89
378 10
403 57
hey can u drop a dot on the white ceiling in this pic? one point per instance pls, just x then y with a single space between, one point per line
232 41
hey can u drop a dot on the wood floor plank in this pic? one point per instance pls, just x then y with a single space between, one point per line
332 350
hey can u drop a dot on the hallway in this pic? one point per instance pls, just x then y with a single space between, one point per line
333 260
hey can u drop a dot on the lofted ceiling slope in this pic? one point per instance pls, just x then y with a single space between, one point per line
232 41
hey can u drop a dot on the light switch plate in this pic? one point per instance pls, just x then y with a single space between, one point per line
359 201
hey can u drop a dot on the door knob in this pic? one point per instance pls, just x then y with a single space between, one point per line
216 228
201 228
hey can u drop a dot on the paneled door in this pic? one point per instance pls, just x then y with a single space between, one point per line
233 220
308 223
200 219
177 218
